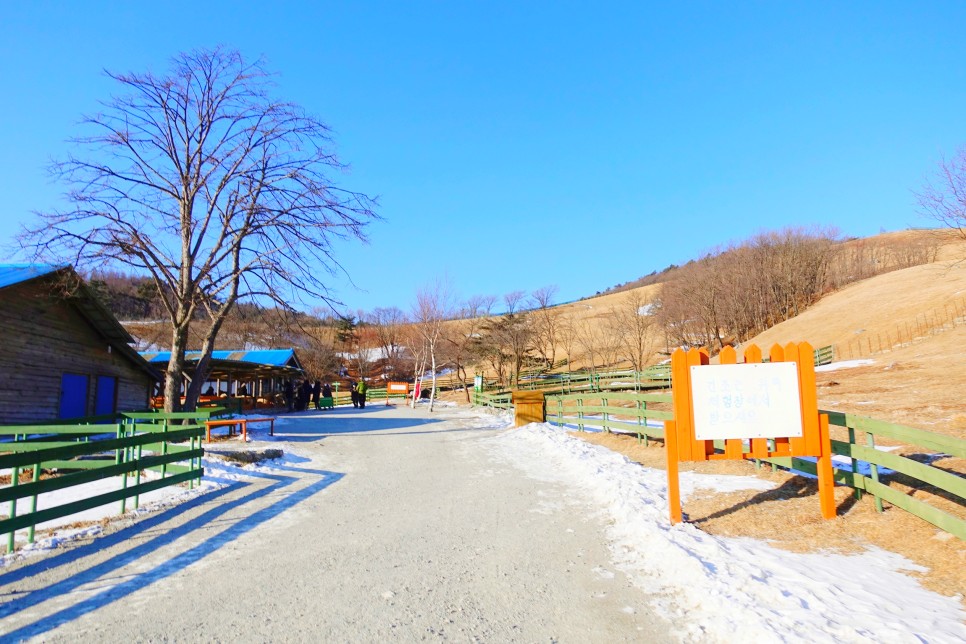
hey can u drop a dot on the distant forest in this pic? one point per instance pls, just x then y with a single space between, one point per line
128 297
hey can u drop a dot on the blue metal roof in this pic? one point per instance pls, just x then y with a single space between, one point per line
11 274
271 357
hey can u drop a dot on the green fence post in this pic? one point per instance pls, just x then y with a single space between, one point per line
14 482
120 456
855 462
137 478
191 462
33 505
164 449
870 440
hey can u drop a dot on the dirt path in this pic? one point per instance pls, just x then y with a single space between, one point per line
393 525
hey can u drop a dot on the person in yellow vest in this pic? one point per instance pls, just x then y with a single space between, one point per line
361 390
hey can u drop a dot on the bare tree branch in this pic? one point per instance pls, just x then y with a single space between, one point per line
203 181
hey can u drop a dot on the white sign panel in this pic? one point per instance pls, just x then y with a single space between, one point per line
758 400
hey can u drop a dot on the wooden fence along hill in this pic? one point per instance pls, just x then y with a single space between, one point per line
920 483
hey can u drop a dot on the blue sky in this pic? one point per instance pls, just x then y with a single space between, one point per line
517 145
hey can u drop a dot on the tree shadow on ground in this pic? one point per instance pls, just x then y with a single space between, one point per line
119 587
358 422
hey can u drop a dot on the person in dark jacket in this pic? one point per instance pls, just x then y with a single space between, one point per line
353 393
316 392
306 394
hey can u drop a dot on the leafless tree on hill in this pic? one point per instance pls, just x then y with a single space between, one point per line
387 325
516 332
733 294
567 332
593 336
219 192
546 323
632 324
943 197
506 340
462 333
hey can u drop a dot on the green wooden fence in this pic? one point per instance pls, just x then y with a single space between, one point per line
629 412
497 400
613 411
824 355
861 449
71 455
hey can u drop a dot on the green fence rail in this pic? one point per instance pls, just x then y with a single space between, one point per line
824 355
861 450
621 412
71 455
630 412
656 377
497 400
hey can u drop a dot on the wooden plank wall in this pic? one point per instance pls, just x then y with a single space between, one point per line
43 337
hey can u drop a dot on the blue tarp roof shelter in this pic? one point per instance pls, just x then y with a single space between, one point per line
238 365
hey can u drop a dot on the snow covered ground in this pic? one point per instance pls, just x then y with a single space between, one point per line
735 589
711 588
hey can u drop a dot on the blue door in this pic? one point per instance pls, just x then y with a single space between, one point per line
105 400
73 395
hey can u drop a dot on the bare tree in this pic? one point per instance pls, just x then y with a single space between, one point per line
432 308
632 324
568 332
387 326
546 325
219 192
514 332
593 336
415 343
462 333
943 198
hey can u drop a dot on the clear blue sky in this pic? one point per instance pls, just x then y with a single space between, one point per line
516 145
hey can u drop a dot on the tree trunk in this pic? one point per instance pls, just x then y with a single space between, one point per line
432 394
175 372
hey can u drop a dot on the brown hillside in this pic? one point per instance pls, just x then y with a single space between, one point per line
912 325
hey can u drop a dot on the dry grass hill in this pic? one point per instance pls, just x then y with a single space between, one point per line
910 323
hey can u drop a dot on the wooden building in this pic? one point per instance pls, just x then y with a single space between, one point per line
62 353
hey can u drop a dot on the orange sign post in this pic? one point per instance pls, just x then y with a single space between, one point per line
399 388
751 408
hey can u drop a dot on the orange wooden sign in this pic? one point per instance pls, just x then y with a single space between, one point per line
681 444
396 388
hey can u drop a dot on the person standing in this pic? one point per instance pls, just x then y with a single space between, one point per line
316 392
362 388
306 394
353 393
289 395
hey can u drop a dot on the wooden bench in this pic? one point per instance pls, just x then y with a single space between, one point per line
242 423
226 422
267 419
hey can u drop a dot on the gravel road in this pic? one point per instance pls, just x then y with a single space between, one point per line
386 524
